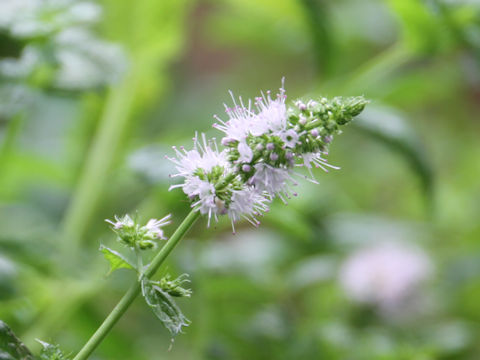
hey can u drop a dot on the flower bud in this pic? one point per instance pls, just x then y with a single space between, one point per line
174 287
246 168
131 234
227 141
145 244
273 156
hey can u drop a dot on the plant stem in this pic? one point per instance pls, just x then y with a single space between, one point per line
104 149
139 263
134 290
9 139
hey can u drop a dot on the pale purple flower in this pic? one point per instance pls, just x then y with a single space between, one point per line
154 227
246 153
235 129
385 274
119 223
248 204
242 121
271 117
190 165
290 138
204 193
258 126
273 181
194 186
202 157
318 161
196 164
273 112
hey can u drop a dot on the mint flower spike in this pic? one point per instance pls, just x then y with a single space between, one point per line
135 236
264 141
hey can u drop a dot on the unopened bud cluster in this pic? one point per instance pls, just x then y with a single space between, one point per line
263 141
130 233
175 287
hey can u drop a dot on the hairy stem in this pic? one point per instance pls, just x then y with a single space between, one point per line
135 289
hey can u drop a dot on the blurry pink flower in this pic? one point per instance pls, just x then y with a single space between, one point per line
385 274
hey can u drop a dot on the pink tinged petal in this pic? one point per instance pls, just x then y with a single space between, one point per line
246 153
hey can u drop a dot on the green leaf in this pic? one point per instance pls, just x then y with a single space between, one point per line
319 24
164 307
391 128
51 352
422 29
154 34
116 260
11 348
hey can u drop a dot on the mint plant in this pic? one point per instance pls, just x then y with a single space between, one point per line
264 142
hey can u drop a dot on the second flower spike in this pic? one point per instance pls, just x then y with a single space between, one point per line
130 233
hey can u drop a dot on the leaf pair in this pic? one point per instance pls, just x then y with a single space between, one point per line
158 295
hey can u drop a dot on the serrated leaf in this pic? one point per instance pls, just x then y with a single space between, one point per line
51 352
164 307
391 128
116 260
11 348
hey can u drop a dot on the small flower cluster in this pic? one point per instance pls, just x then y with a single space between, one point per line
175 287
263 141
134 235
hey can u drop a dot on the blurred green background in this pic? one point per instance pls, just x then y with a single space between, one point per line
93 95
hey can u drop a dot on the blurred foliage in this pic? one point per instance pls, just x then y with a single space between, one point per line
71 157
11 346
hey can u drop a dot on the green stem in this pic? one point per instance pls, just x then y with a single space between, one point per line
371 73
135 289
139 263
104 148
8 144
